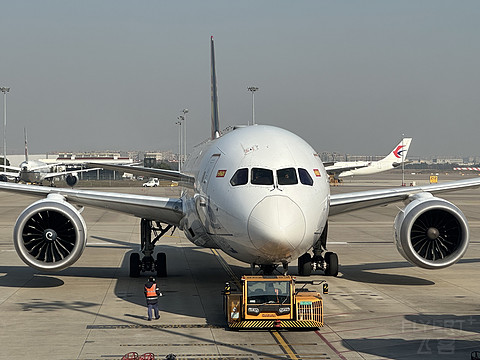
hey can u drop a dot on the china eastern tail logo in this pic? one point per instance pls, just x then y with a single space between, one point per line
398 151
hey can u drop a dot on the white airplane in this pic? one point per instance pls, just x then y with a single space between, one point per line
391 161
36 171
259 193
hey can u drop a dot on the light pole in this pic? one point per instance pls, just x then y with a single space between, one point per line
185 111
180 119
179 143
252 89
5 90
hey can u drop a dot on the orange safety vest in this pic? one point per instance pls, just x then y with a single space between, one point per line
151 291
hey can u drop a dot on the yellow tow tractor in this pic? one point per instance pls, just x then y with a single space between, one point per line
271 302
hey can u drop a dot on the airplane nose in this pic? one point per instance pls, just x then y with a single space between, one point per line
276 226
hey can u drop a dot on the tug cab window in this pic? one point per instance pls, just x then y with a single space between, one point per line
262 176
240 177
274 292
305 177
287 176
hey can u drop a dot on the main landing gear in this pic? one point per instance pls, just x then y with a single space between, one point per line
147 263
328 262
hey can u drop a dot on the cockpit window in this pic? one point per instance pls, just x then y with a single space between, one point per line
305 177
287 176
240 177
262 176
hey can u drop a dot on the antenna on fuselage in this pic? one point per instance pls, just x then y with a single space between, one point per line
215 124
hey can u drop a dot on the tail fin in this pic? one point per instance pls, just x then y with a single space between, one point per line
26 146
215 124
399 152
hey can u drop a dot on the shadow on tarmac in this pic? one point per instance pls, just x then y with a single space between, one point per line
192 288
367 273
363 273
445 343
15 275
418 349
131 322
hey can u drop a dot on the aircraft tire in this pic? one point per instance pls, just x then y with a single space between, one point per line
135 265
331 259
305 265
161 265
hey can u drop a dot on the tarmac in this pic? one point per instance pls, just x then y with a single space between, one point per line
379 307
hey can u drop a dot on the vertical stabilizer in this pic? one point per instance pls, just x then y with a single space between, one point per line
26 146
215 124
399 153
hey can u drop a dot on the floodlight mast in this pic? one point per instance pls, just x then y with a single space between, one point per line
179 144
252 89
185 111
4 90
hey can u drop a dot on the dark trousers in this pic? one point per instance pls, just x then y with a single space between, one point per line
155 309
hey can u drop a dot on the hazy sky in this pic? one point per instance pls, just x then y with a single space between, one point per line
348 76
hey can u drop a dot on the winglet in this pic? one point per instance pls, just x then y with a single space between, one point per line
215 124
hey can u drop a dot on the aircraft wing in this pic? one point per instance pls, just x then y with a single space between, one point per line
342 203
333 169
46 166
171 175
166 210
63 173
9 175
10 168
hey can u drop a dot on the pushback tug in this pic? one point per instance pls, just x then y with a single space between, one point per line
271 302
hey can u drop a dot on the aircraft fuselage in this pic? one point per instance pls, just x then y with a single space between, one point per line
33 171
261 195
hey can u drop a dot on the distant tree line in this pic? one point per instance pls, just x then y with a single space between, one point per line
165 165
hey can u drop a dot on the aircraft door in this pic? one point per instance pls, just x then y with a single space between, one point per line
207 218
207 174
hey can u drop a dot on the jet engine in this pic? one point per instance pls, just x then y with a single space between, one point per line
71 179
50 234
430 232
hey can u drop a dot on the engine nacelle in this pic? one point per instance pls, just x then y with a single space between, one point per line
50 234
431 233
71 180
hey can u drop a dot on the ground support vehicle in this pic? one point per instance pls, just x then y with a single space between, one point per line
271 302
151 183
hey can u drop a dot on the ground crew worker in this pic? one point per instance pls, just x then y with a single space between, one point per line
152 292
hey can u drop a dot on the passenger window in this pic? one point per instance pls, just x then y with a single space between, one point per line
305 177
287 176
240 177
262 176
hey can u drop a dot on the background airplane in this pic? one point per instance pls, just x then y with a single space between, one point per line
36 171
259 193
391 161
